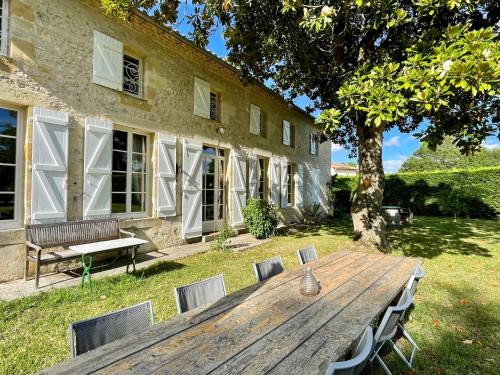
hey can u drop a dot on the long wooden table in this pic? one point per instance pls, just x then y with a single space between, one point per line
267 328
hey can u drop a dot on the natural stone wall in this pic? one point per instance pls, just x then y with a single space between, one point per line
50 65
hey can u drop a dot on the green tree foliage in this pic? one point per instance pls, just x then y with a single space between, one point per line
468 193
369 66
447 156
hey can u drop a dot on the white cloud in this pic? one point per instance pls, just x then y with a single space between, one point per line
392 166
393 141
336 147
491 144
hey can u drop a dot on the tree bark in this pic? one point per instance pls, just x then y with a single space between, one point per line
366 209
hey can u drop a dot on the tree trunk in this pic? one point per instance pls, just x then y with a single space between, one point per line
366 209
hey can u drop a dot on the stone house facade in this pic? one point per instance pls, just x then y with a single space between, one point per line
103 118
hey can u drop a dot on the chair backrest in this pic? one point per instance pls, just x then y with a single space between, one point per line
268 268
414 279
360 356
190 296
92 333
73 232
387 327
307 254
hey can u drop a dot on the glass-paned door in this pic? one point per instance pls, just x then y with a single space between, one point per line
214 172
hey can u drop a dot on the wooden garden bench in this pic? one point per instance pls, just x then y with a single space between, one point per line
47 236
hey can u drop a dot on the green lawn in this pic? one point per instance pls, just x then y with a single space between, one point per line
456 319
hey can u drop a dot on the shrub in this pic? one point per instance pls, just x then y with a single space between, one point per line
222 242
312 212
468 193
261 218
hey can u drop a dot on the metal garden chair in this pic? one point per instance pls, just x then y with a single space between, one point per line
307 255
268 268
92 333
359 358
387 330
188 297
412 288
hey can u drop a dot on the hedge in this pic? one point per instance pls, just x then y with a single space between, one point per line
471 193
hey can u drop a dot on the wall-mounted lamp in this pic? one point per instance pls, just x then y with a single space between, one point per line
220 129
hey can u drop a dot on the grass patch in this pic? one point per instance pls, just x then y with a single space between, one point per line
456 300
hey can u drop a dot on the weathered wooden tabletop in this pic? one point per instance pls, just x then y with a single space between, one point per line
265 328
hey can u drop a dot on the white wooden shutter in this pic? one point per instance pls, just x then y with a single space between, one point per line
49 166
191 188
201 98
316 184
284 183
275 180
253 176
238 187
97 168
299 186
286 133
255 119
166 168
107 61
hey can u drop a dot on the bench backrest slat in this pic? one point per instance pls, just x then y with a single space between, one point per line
73 232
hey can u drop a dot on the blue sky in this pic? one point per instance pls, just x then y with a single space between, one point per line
397 146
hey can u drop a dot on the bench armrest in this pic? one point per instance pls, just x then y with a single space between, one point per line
33 246
127 233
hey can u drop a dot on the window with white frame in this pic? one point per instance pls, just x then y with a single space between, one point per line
10 167
4 23
129 173
262 178
132 72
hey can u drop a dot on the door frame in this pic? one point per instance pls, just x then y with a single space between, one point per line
210 226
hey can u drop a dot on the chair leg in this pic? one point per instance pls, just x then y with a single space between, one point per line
400 354
384 366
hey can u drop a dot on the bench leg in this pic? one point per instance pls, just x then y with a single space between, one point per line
37 271
86 272
26 268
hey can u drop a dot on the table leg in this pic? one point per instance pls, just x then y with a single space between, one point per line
86 271
132 258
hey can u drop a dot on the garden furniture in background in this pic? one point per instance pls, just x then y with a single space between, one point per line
47 236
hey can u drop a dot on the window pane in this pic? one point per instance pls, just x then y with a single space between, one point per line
209 181
8 122
209 166
220 152
7 206
119 161
138 182
139 143
213 106
221 212
120 140
8 178
137 163
209 197
118 203
209 213
138 203
131 75
208 150
7 150
119 182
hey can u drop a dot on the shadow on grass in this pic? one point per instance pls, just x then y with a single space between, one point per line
430 237
158 268
335 227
